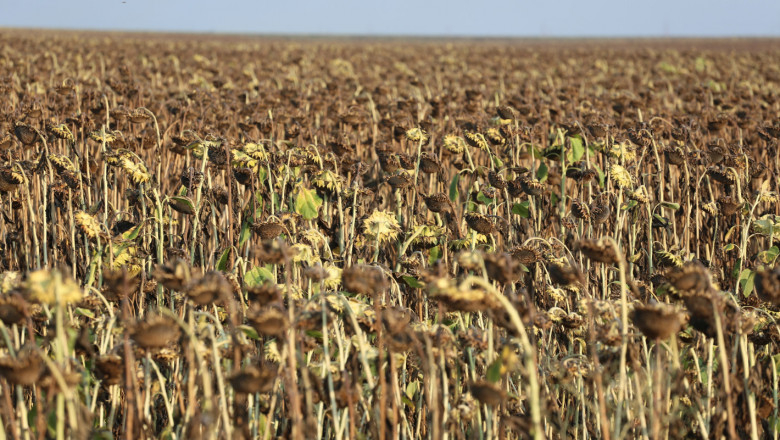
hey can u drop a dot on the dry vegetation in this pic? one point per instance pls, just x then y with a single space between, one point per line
236 238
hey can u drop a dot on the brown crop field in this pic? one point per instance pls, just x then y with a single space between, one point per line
229 237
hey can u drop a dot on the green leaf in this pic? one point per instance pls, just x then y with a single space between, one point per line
601 175
182 204
245 233
737 267
412 388
577 148
631 204
307 203
498 163
484 199
671 205
316 334
536 151
729 247
257 275
667 67
262 174
494 371
554 199
746 280
85 312
223 260
521 209
769 255
661 220
700 64
454 188
413 282
435 255
119 249
541 173
250 332
132 233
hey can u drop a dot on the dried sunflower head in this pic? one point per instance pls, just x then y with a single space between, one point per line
110 369
61 131
675 155
622 151
501 267
769 197
427 236
327 180
88 224
364 279
487 393
480 223
155 332
26 134
461 297
464 243
691 278
61 163
494 136
666 258
252 379
476 140
580 210
271 320
526 254
103 136
657 321
136 168
621 176
24 369
531 186
438 202
381 226
506 112
211 287
639 195
710 208
600 250
174 274
12 309
268 229
11 177
454 143
256 151
417 135
333 277
564 274
50 287
767 284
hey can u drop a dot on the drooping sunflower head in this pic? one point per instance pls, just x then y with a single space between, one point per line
621 176
50 287
417 135
454 143
88 224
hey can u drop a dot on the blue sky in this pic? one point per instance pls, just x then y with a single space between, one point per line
539 18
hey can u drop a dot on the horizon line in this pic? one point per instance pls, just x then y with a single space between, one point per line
391 36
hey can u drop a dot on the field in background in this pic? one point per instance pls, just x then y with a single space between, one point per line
236 237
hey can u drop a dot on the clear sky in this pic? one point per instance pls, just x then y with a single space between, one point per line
539 18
